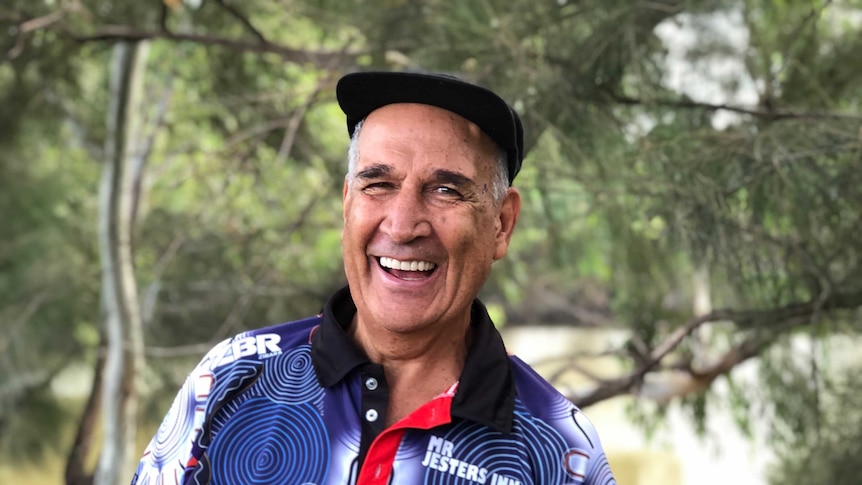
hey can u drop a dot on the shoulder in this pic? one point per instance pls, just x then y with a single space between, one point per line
536 393
539 400
236 362
260 344
269 362
560 425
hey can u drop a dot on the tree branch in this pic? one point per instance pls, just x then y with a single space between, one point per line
296 120
163 17
234 12
773 322
667 386
29 26
10 332
150 297
672 8
24 27
320 59
772 115
179 351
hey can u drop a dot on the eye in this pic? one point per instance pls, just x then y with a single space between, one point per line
446 191
374 188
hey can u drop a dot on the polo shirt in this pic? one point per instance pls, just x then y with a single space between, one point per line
300 403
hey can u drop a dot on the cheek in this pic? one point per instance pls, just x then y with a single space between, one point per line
353 233
475 237
355 217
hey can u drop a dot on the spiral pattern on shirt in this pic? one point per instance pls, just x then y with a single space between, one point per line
602 472
558 407
175 428
498 454
289 378
267 442
477 446
544 444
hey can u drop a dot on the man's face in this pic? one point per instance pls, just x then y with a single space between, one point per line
421 227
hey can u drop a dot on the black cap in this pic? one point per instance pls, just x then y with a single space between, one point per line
360 93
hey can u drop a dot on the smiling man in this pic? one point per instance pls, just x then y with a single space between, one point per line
403 379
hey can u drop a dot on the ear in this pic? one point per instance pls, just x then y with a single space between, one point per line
510 209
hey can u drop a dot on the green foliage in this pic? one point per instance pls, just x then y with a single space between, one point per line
823 441
33 426
629 184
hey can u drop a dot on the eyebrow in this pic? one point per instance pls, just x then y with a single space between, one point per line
374 171
446 176
453 178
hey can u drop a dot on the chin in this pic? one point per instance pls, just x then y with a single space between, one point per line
404 321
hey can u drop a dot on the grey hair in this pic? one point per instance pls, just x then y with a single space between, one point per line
499 186
353 151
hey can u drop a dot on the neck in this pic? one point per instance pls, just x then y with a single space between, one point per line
418 365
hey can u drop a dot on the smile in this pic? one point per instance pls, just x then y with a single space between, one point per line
397 265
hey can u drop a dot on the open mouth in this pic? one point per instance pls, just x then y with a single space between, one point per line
407 270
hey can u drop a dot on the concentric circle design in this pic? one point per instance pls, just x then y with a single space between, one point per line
602 472
175 429
535 458
289 378
267 442
491 451
225 413
545 446
558 407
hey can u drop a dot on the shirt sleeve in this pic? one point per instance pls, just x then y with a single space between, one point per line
172 451
596 469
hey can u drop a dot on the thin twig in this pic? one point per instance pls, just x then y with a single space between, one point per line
772 115
234 12
299 56
29 26
178 351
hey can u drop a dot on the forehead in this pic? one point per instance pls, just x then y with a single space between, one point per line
423 132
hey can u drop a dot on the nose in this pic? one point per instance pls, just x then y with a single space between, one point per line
406 217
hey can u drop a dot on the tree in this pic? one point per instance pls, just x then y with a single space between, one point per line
634 183
119 195
208 269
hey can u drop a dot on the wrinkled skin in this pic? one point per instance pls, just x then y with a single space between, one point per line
422 193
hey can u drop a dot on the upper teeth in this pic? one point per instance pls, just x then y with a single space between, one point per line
393 263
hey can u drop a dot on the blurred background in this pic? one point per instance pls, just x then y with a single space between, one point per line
686 267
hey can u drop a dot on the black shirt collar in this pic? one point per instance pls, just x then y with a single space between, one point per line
486 393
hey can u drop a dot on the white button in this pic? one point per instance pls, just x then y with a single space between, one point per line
371 383
371 415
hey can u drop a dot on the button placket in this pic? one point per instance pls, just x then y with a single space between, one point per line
374 395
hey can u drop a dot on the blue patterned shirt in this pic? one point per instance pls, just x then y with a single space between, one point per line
300 403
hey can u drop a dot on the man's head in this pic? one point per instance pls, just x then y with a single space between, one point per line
423 217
